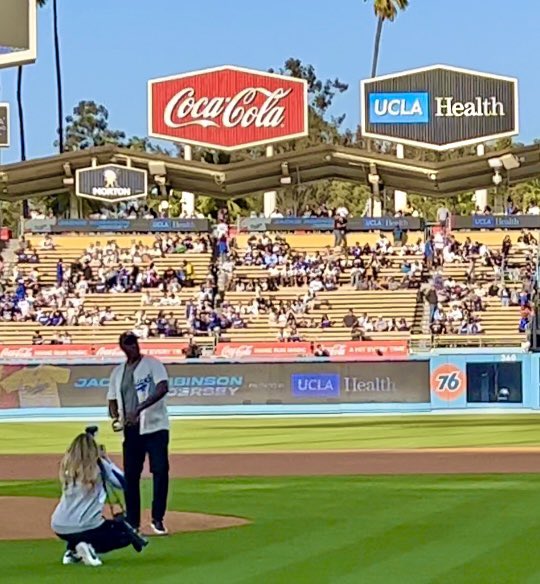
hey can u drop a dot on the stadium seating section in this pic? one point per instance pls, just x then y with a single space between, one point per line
499 323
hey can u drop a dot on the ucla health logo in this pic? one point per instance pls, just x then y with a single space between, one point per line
315 385
399 108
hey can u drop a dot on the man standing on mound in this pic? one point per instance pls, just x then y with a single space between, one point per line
137 391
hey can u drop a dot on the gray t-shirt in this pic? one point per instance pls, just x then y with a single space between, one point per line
129 393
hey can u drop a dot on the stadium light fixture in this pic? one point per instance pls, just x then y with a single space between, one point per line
495 163
497 178
285 174
510 162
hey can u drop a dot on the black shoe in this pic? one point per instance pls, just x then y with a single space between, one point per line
158 528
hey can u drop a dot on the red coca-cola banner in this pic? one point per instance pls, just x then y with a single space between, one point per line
172 351
338 351
227 108
161 350
254 350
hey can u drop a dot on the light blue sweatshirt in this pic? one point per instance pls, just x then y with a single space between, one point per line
80 508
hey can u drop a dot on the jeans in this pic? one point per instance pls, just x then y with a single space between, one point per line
135 448
109 536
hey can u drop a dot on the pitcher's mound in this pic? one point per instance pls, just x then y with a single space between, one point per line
29 518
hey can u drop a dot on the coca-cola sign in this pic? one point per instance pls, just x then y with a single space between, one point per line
227 108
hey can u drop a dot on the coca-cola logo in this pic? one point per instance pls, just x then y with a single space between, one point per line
227 108
229 112
236 352
18 353
108 352
336 350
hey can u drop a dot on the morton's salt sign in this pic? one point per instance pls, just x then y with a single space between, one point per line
227 108
439 107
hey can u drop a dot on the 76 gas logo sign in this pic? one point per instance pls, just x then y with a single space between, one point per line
448 382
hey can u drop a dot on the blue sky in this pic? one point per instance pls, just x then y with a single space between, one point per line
110 48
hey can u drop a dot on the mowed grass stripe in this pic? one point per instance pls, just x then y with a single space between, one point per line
365 536
338 543
476 528
335 530
299 434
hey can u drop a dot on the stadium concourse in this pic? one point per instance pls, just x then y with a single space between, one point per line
432 288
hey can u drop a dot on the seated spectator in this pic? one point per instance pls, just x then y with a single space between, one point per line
350 319
65 338
381 325
326 322
47 243
37 339
192 351
55 339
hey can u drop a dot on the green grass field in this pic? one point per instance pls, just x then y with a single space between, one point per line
327 530
347 530
282 434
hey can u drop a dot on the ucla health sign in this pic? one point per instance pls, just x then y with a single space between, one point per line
439 107
399 108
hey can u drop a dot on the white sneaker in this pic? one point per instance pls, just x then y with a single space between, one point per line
70 558
87 554
158 528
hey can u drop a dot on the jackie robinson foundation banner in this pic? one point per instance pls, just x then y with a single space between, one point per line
225 384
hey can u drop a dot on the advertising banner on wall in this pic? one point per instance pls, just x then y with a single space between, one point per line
327 224
496 222
227 108
117 225
20 353
439 107
458 381
384 350
226 383
173 351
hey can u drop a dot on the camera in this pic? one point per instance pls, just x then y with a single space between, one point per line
137 541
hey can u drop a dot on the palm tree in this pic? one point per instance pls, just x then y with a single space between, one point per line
60 103
384 10
22 136
58 67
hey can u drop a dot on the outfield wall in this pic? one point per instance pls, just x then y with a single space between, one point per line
438 381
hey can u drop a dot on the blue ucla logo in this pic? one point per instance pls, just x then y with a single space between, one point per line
399 108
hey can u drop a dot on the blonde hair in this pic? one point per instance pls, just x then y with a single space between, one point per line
80 462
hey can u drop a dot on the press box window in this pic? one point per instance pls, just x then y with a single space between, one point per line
494 383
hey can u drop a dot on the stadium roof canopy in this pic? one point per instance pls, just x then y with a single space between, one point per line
50 176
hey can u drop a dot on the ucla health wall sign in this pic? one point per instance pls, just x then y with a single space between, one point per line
439 107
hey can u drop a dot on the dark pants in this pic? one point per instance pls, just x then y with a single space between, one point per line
135 448
110 535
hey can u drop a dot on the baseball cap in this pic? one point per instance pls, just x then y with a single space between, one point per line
128 338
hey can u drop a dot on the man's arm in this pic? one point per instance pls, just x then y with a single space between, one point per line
113 409
112 396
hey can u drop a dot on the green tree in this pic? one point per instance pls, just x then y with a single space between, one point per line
88 127
385 10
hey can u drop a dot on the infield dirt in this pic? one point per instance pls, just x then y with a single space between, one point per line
366 462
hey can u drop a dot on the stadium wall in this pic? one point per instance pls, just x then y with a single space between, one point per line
448 380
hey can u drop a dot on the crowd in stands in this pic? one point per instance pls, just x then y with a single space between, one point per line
455 306
107 268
